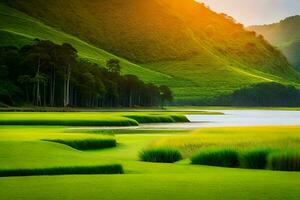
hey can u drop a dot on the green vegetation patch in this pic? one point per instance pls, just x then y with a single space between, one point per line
255 158
217 157
161 155
87 144
158 118
269 147
107 169
89 118
240 138
284 161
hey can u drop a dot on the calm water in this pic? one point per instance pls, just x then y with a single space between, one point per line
235 118
230 118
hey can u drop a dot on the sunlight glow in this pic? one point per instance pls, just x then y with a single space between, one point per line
251 12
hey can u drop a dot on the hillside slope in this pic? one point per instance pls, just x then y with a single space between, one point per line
198 53
285 35
18 29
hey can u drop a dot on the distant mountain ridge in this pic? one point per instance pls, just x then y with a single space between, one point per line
198 53
285 35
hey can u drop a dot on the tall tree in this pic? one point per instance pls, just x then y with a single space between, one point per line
67 56
165 95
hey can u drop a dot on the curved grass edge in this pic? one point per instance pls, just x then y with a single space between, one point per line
86 144
104 169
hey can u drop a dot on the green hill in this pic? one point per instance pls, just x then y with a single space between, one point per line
183 44
285 35
19 29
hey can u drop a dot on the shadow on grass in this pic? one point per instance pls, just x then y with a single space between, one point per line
105 169
86 144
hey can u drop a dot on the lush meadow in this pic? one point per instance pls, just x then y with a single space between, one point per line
274 147
28 153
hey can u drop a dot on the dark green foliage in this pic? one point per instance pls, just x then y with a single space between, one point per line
217 157
87 144
158 118
259 158
165 95
284 161
161 155
106 169
47 74
255 158
263 94
113 66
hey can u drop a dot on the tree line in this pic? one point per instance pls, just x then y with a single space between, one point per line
263 94
47 74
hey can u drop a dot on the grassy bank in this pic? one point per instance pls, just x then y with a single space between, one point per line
89 118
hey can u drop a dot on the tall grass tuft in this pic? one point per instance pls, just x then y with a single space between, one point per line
217 157
105 169
284 161
161 155
87 144
255 158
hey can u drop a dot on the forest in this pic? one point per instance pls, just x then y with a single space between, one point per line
263 94
52 75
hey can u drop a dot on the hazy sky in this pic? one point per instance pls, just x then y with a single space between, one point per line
251 12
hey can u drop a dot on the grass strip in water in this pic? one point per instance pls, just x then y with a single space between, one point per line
158 118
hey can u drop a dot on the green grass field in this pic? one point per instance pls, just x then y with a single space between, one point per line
23 147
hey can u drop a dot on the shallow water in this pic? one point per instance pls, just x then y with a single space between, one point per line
234 118
230 118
